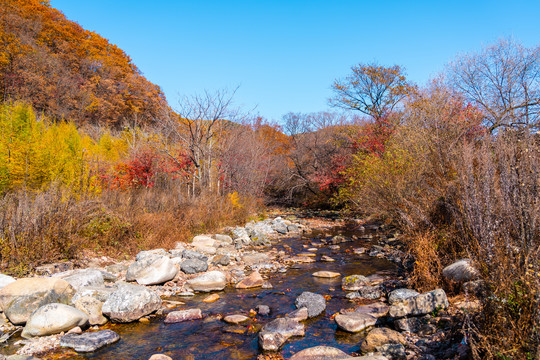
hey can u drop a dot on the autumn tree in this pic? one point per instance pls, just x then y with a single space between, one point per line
503 81
372 89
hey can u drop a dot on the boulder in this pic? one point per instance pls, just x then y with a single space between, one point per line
192 254
5 280
420 305
92 307
20 298
183 315
461 271
275 333
222 260
253 280
100 293
400 295
152 270
209 281
321 353
193 266
90 341
82 278
314 303
53 319
355 322
380 336
354 282
130 302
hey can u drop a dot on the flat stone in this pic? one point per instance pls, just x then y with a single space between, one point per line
90 341
253 280
354 282
420 305
315 303
326 258
53 319
211 298
183 315
235 319
326 274
209 281
277 332
321 353
20 298
307 254
100 293
355 322
377 310
131 302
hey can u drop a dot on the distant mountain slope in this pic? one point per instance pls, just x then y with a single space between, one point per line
69 72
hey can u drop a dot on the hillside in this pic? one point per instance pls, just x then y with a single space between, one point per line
68 72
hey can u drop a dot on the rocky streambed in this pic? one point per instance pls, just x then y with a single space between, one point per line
300 289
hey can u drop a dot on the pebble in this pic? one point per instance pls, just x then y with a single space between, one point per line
211 298
326 274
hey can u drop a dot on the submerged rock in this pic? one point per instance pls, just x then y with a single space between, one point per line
89 342
53 319
277 332
20 298
131 302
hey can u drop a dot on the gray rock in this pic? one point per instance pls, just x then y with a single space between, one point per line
53 319
460 271
152 270
292 228
20 298
366 292
100 293
209 281
222 260
150 253
92 307
277 332
400 295
239 232
355 322
412 324
321 353
280 228
298 315
393 351
90 341
263 310
204 244
191 254
314 303
223 238
377 309
420 305
193 266
130 302
5 280
82 278
354 282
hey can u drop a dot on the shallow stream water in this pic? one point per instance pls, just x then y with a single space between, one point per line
212 338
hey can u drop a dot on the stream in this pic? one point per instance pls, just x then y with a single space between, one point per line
212 338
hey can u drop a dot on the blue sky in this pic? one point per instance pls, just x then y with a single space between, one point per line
284 55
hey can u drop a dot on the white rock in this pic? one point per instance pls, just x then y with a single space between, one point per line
53 319
209 281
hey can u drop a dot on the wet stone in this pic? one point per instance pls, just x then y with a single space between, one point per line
235 319
276 333
298 315
326 274
355 322
183 315
263 310
315 303
89 342
354 282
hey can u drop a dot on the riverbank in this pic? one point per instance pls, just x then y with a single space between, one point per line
256 275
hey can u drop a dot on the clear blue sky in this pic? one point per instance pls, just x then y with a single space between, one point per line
284 55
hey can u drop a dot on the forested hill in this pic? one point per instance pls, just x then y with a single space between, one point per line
69 72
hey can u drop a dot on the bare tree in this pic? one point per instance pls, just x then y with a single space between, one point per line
503 80
198 124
